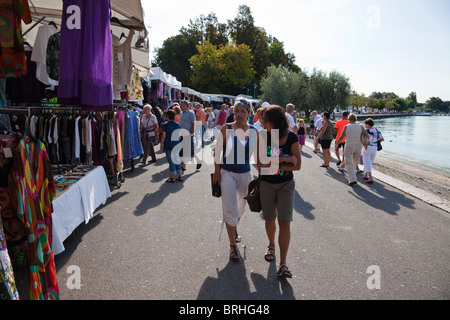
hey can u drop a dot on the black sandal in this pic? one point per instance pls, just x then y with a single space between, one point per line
268 255
235 255
284 273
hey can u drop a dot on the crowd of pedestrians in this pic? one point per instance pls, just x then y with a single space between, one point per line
271 135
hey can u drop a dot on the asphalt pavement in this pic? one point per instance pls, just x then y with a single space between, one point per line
158 241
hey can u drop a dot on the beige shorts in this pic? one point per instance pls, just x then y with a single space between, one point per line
277 200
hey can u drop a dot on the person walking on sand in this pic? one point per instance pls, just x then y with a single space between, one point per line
277 186
339 127
325 137
353 145
369 154
235 145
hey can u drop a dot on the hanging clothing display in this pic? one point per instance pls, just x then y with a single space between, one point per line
35 191
122 60
52 56
135 91
12 54
40 53
122 66
132 142
86 57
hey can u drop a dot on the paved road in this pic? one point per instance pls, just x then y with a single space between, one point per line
159 241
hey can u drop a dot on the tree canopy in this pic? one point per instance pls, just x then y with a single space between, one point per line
225 67
179 53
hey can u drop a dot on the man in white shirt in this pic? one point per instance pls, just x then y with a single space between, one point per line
318 121
290 115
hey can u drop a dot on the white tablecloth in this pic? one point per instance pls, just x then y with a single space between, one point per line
78 204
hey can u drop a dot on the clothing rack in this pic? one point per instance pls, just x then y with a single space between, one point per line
29 110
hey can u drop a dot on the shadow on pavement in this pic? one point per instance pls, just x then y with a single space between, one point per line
153 200
232 284
381 198
302 207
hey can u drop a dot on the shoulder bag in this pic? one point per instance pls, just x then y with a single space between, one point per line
379 146
253 195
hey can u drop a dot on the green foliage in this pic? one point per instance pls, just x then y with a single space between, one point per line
279 57
243 30
215 66
173 57
282 86
435 104
176 53
328 91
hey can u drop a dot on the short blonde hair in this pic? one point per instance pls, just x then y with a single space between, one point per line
177 109
352 117
147 107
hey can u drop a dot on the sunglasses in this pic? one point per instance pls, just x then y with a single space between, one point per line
243 101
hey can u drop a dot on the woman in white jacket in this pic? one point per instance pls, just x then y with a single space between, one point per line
369 154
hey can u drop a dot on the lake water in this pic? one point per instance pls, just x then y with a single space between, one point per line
423 141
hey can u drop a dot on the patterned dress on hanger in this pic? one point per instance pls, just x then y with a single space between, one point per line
35 192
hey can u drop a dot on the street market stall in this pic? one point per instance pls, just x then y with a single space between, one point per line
70 89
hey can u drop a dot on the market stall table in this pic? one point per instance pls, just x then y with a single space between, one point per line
78 204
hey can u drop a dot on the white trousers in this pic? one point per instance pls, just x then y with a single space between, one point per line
369 157
234 188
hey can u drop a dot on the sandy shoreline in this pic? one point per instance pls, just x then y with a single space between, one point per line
419 177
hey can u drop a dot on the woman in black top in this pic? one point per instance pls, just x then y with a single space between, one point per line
278 157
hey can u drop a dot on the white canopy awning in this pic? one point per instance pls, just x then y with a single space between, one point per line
249 98
222 96
130 13
158 74
190 91
213 98
203 96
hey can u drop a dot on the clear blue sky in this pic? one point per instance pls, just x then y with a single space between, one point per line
394 46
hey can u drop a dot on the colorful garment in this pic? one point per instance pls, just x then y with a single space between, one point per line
119 162
13 228
8 290
132 143
35 192
12 54
135 90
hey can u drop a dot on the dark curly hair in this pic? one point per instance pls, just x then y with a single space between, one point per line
277 117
